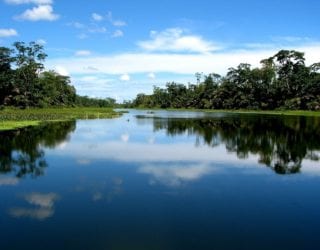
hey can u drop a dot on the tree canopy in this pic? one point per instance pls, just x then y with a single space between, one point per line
25 83
282 82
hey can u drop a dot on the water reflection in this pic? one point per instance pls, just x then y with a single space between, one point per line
175 175
21 150
281 143
43 206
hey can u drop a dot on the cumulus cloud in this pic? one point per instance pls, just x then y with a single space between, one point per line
41 41
218 62
97 85
8 32
117 33
119 23
125 77
83 53
38 2
175 40
82 36
61 70
76 25
97 17
116 23
39 13
151 76
97 30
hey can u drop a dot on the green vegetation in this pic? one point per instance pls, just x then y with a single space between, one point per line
24 83
282 82
25 87
11 118
10 125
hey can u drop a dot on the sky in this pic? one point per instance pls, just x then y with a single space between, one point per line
119 48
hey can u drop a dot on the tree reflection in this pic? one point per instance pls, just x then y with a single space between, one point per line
21 150
281 142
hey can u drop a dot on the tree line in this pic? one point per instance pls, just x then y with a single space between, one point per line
24 82
282 82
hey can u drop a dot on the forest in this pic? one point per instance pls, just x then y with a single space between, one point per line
282 82
24 82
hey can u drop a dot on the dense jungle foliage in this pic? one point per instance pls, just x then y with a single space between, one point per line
25 83
282 82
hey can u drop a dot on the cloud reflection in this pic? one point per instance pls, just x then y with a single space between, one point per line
125 138
44 206
8 181
175 175
33 213
42 200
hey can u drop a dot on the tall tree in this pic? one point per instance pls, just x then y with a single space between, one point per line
29 62
6 75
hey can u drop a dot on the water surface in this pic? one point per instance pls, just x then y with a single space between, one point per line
162 180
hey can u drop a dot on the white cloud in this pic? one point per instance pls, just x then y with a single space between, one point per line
76 25
93 85
61 70
125 77
41 42
118 33
83 53
119 23
291 39
37 2
97 17
175 40
97 30
116 23
8 32
82 36
151 76
218 62
38 13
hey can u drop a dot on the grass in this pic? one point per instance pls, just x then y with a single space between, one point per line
10 125
12 118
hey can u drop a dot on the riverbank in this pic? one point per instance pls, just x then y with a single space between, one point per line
262 112
12 118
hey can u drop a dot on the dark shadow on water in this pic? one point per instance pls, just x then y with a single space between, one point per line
21 150
281 143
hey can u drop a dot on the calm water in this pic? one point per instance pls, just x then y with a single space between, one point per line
163 180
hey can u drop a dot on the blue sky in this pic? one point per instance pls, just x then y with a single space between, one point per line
120 48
